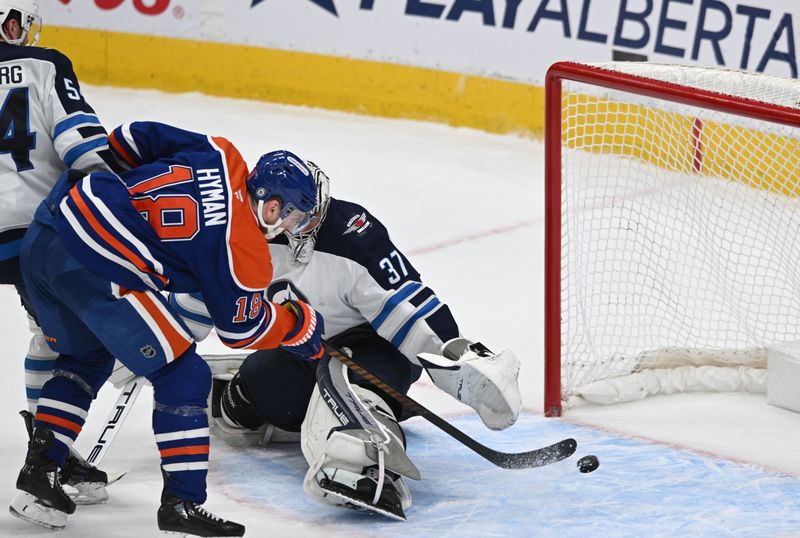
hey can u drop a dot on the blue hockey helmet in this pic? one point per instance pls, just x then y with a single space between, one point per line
283 176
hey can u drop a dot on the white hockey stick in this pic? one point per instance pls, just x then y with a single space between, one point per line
115 419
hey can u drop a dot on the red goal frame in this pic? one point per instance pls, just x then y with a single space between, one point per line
599 76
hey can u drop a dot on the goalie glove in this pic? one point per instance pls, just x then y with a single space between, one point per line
478 378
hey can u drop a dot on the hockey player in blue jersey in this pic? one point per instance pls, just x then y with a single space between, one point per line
378 310
185 218
47 126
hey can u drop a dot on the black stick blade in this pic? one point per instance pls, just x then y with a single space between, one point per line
534 458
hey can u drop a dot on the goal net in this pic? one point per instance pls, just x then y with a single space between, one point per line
673 216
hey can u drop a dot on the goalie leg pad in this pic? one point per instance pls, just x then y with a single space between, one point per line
475 376
354 447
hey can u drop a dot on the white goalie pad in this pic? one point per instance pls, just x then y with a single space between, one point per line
222 367
120 376
238 437
475 376
349 434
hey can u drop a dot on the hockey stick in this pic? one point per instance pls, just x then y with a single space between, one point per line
115 419
515 460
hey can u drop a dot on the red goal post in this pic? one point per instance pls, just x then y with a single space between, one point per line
661 129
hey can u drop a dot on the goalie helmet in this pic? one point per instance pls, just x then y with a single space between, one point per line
283 176
302 244
29 20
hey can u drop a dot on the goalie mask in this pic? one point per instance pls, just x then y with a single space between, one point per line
302 244
283 176
26 13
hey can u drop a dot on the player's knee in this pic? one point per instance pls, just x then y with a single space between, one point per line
184 381
237 406
89 370
265 364
278 386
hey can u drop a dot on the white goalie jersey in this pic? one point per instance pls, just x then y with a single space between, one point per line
47 127
355 276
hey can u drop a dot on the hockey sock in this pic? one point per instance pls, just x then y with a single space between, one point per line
63 406
182 439
180 424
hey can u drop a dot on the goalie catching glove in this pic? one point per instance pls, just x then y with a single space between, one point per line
305 338
478 378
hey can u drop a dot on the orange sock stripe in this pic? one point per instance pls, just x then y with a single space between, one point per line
58 421
184 451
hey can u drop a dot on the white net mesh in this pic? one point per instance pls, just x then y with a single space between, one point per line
679 227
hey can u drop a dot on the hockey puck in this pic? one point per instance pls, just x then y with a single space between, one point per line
587 464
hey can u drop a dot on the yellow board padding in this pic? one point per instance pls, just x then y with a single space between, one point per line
297 78
683 144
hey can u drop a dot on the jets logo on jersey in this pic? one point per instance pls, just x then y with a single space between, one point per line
281 291
357 224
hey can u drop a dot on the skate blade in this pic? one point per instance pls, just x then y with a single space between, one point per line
115 477
26 507
188 535
88 493
361 506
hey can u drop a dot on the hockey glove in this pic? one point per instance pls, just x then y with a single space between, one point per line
477 377
305 338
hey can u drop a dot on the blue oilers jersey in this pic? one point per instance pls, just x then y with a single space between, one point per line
47 127
356 275
178 220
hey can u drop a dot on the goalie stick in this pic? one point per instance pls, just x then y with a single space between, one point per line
94 492
514 460
115 419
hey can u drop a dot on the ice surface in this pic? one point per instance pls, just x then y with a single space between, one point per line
467 207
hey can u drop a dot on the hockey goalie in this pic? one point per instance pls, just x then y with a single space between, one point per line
373 306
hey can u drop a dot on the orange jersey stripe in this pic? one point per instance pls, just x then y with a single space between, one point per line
177 342
250 259
58 421
184 451
75 194
112 138
284 322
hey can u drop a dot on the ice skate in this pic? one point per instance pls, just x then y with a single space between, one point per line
358 491
176 516
85 483
40 498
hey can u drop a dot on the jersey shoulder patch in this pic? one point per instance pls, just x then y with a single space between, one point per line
348 229
352 232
